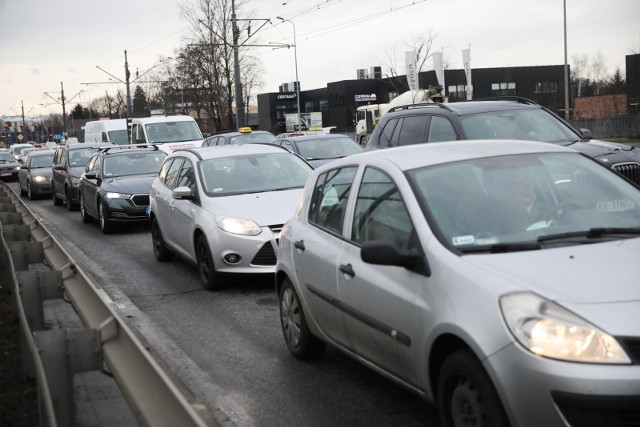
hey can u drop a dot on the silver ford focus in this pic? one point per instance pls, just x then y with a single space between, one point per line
222 208
496 279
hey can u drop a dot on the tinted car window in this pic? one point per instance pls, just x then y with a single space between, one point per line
163 171
413 130
172 173
187 177
380 212
441 129
387 133
329 198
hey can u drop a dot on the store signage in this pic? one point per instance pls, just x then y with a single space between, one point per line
366 97
285 96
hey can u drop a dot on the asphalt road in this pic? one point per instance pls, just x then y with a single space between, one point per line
226 346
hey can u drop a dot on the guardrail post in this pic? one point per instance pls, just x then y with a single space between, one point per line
25 253
35 287
64 353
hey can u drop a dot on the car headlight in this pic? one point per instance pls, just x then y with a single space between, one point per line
547 329
111 195
75 180
40 178
238 226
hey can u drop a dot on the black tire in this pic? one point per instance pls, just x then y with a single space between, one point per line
210 279
301 343
105 224
86 218
161 252
70 205
466 395
29 192
57 201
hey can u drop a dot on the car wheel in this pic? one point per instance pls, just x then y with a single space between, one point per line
208 275
83 211
466 396
105 224
57 201
70 205
29 192
301 343
159 249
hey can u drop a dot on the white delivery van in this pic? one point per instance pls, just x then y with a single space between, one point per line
114 131
168 132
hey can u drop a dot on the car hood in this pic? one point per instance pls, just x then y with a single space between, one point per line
41 172
134 184
598 282
608 152
585 274
267 208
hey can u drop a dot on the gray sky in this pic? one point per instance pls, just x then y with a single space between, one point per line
46 42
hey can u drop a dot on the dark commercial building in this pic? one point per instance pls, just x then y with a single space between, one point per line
336 104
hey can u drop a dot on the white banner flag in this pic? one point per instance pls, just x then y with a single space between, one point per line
412 70
466 60
437 66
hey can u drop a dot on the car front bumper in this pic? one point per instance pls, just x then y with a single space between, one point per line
258 254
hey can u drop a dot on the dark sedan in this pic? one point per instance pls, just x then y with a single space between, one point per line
320 149
9 166
34 178
116 183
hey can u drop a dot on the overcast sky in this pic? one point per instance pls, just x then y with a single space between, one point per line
45 42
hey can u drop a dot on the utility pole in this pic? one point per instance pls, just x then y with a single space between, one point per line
64 114
24 126
127 74
240 120
566 67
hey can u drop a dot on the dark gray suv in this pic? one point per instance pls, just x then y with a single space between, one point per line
508 118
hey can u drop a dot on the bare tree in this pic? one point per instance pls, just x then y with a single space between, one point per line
590 74
422 44
634 49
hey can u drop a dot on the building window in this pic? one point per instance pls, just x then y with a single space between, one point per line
308 106
546 87
458 92
501 89
324 105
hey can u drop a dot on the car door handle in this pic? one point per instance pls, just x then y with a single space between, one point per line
348 270
299 244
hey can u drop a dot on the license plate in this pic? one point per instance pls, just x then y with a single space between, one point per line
5 174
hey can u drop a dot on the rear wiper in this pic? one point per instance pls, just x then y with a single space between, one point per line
497 248
592 233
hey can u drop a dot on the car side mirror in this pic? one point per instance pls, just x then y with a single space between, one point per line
58 167
586 133
182 193
90 175
384 252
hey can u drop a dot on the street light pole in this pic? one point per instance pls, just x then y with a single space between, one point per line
566 67
295 56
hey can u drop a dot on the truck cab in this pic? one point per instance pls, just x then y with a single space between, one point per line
170 133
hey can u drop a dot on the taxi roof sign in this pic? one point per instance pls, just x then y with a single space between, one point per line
245 130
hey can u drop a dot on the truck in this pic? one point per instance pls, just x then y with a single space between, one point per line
168 132
367 116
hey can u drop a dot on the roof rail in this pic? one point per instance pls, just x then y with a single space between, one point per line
420 105
192 150
128 147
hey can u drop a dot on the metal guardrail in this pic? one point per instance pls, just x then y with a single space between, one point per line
37 268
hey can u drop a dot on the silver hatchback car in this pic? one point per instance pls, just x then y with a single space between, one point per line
222 208
497 279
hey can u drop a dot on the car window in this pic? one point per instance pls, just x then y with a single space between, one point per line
187 177
413 130
91 165
380 212
172 173
441 129
329 198
163 171
387 133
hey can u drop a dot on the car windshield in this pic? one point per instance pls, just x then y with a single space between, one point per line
20 150
79 157
250 138
253 173
533 124
327 148
123 164
43 161
160 133
559 198
120 137
7 158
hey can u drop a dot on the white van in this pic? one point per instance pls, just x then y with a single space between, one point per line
114 131
169 132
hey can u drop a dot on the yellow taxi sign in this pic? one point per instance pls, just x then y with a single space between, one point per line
245 130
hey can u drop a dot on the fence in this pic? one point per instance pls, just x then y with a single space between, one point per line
617 127
35 268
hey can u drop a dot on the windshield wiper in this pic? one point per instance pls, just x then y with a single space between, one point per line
497 248
592 233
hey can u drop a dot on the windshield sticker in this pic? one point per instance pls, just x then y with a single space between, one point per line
615 205
463 240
